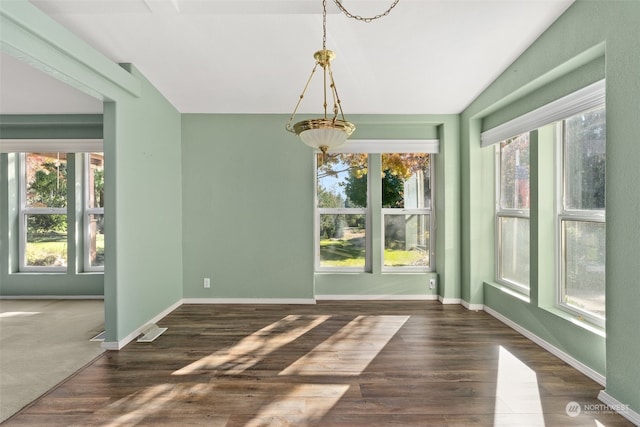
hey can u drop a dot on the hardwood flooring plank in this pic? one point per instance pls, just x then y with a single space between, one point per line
355 363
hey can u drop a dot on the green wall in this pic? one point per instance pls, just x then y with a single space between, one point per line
248 192
248 208
143 168
143 210
230 196
590 39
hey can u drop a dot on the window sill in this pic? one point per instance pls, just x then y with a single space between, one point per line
41 272
510 291
564 315
351 272
407 270
576 320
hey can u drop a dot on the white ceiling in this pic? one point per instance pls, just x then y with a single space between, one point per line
242 56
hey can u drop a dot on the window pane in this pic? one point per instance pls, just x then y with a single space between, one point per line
46 244
342 181
46 178
96 180
584 269
514 250
585 160
406 240
514 173
405 180
342 240
96 240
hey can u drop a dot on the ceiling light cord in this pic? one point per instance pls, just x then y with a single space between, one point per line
363 19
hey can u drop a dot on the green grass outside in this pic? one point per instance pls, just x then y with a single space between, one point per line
398 258
45 250
51 250
341 253
347 253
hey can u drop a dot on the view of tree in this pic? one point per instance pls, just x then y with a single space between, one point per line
397 167
585 151
98 179
514 185
48 188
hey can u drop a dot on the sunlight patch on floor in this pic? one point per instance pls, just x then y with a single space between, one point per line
255 347
517 394
350 350
18 314
311 401
138 406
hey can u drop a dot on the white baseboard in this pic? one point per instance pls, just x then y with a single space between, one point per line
596 376
340 297
472 307
248 301
118 345
39 297
619 407
449 300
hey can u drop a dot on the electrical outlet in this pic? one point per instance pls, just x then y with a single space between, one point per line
207 282
432 283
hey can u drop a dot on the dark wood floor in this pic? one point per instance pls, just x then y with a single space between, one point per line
330 364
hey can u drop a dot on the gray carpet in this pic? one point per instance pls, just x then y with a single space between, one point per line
42 342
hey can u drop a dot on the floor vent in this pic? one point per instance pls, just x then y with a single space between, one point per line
150 333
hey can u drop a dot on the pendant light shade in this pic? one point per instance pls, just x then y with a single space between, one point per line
323 134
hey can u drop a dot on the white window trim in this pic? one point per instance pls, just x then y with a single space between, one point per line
569 215
419 211
87 211
51 145
369 146
501 212
22 223
408 268
24 211
340 211
381 146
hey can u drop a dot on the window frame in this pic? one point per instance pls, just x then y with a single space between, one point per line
432 148
82 242
570 215
341 211
412 211
500 213
87 212
25 211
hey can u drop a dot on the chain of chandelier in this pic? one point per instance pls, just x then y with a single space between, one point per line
325 133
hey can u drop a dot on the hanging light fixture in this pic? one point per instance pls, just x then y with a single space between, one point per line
332 131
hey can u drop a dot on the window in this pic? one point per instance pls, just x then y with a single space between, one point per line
94 211
345 199
581 215
512 212
406 204
45 233
43 216
342 211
